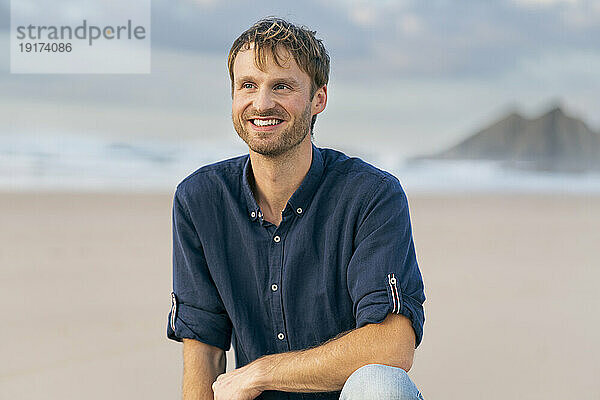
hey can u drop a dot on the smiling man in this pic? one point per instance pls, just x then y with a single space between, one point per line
299 256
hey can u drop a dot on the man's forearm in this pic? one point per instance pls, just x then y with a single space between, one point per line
327 367
201 366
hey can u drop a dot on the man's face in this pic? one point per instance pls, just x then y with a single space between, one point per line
271 109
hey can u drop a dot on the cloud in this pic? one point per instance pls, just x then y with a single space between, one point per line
4 15
363 15
411 24
501 51
200 27
203 3
544 3
391 38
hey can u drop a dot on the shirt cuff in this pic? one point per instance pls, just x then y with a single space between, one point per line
189 322
375 307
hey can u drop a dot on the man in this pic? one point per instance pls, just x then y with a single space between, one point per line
301 257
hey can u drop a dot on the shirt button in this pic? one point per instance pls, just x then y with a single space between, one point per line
280 336
253 214
393 281
299 210
276 239
274 287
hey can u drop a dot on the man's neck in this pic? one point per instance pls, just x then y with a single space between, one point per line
277 178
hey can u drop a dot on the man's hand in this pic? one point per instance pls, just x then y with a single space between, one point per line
240 384
323 368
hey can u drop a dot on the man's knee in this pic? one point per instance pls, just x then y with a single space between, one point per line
379 382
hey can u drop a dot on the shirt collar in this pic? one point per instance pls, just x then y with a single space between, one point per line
253 209
300 200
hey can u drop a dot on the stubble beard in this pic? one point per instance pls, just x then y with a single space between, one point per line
288 139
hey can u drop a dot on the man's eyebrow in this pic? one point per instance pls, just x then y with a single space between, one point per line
289 80
244 78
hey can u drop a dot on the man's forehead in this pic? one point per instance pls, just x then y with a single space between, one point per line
247 60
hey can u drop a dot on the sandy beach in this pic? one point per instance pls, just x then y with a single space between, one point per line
510 280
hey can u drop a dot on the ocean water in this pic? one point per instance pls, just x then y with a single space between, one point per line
85 163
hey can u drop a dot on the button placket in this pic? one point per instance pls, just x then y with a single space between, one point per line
276 265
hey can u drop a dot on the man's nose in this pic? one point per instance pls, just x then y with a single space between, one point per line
264 100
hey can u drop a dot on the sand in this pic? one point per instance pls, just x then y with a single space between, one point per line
510 282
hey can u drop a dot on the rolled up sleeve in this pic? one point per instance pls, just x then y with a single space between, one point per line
197 311
383 274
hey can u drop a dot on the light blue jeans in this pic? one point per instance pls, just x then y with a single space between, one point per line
380 382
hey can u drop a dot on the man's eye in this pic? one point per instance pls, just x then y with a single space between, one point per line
247 86
280 86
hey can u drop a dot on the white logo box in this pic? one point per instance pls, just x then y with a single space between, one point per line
83 36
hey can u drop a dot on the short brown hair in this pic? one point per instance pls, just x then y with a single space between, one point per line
269 33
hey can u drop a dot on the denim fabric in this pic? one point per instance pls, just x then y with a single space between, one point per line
380 382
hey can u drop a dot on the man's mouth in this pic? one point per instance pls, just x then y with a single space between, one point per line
266 122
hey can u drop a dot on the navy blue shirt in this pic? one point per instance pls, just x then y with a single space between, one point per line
342 257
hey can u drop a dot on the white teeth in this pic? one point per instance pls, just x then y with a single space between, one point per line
265 122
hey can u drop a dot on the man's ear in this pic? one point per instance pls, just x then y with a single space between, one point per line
319 100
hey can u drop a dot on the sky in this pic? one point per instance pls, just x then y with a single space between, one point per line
411 77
